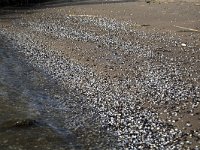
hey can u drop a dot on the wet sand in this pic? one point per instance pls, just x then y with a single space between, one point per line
24 108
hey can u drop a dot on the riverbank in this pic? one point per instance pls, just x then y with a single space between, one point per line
132 71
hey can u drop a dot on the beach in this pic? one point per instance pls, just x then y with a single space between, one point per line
121 75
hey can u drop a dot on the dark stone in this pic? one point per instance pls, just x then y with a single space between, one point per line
25 123
19 123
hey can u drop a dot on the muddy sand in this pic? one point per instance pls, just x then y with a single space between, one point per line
133 66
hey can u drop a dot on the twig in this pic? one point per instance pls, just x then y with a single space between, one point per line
189 29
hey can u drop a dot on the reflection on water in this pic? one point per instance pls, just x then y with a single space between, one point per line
24 119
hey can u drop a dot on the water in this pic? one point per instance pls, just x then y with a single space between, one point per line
26 106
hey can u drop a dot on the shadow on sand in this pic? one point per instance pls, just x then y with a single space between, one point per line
25 8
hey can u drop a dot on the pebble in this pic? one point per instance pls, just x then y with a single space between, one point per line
183 44
188 124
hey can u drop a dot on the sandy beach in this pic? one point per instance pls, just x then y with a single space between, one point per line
131 70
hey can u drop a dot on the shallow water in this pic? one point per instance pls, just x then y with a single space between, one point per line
25 104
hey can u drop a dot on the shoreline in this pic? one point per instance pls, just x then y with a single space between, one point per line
117 71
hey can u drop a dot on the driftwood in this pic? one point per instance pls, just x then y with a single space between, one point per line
188 29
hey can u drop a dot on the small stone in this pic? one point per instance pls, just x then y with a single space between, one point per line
188 142
183 44
5 141
188 124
